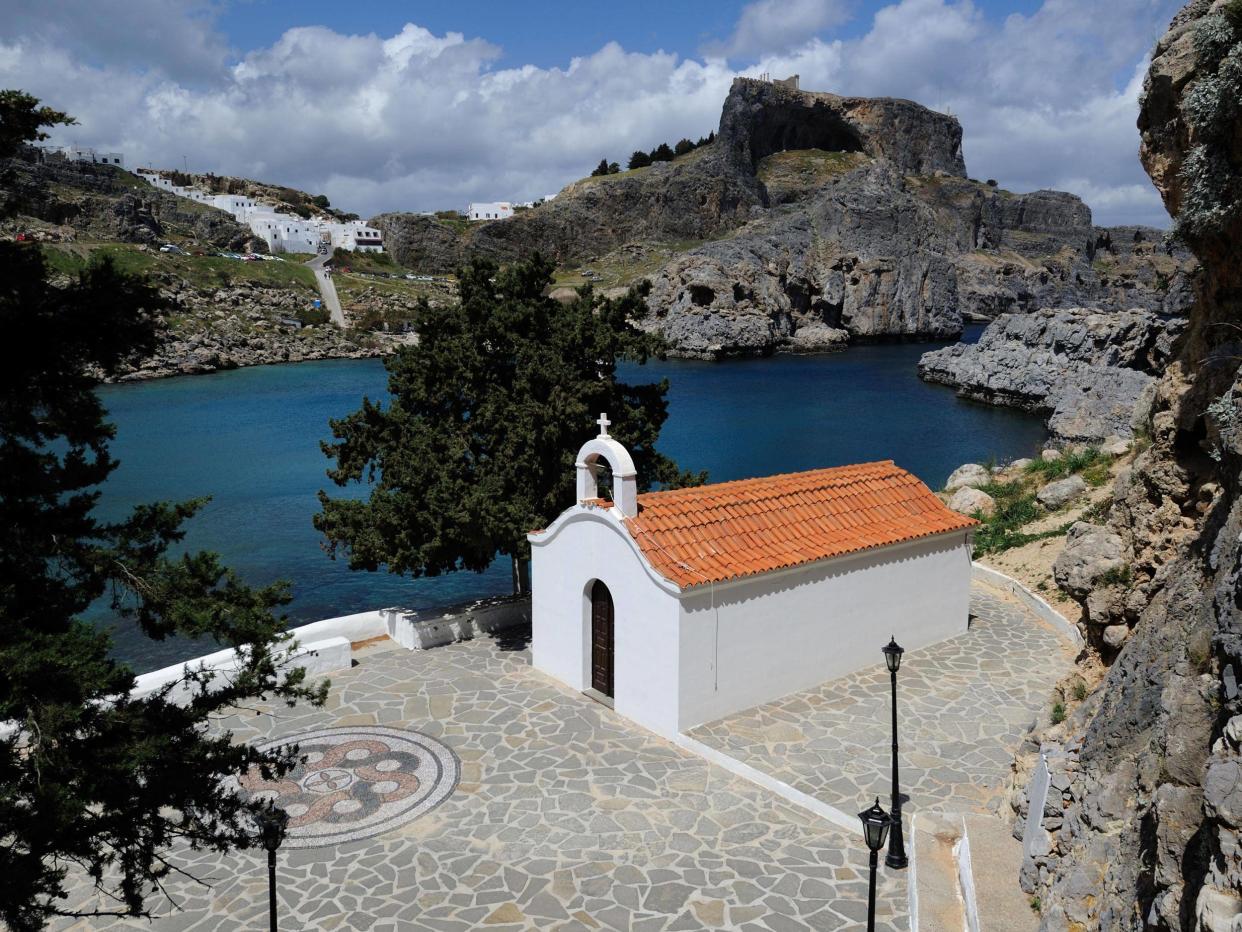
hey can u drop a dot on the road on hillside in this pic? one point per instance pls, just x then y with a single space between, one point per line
327 289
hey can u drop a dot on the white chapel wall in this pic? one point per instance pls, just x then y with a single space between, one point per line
784 632
594 546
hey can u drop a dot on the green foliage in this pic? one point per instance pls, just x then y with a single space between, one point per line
1070 461
1117 576
1097 474
662 153
321 201
22 121
683 147
488 411
91 777
638 160
1058 713
1036 905
605 167
1080 690
311 316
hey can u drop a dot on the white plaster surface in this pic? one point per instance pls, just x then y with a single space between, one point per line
756 640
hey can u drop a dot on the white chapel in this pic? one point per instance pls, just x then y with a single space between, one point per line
683 606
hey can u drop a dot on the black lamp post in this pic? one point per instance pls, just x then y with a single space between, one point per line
875 823
272 824
896 857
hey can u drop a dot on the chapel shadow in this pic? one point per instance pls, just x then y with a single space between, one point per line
513 639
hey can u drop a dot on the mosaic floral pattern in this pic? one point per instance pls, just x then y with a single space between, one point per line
357 782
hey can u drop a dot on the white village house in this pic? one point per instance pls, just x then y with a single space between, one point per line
687 605
283 232
494 210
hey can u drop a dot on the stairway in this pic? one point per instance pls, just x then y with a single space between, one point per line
964 876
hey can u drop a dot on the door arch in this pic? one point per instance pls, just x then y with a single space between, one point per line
601 639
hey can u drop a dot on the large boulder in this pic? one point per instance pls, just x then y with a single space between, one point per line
1090 552
1061 492
970 474
970 501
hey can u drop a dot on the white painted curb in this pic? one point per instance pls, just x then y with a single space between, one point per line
768 782
1038 606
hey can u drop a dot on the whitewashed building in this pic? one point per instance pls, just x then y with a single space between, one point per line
282 231
80 154
493 210
684 606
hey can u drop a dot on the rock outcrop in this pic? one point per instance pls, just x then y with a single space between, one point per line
814 220
1146 833
104 202
1086 369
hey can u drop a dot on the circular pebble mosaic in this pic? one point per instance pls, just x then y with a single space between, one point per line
356 782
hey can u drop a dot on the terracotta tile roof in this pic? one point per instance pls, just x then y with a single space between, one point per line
728 530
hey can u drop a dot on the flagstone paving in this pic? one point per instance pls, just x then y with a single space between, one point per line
964 706
565 816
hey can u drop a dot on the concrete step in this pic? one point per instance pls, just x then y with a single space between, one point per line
965 875
935 893
995 859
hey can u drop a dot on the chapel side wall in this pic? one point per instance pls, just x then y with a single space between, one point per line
786 632
590 547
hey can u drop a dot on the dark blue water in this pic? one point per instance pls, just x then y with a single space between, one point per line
250 439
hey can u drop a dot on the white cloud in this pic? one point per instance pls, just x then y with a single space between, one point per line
417 121
773 26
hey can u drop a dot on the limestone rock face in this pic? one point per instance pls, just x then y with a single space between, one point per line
1084 367
968 501
893 241
1151 734
1090 552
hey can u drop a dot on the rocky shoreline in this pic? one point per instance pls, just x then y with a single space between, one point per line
1088 370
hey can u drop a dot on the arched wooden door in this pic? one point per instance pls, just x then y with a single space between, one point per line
601 639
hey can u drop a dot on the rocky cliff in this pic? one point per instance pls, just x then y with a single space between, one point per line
69 200
814 220
1086 369
1146 829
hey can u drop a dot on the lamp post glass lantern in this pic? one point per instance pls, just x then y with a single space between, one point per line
875 824
896 857
272 825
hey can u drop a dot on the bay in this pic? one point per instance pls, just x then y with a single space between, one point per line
250 439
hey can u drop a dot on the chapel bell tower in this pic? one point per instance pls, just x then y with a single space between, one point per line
624 476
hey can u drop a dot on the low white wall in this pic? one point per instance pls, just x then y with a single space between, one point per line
318 657
415 631
1033 602
753 641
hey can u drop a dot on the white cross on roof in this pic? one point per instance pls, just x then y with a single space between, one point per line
603 423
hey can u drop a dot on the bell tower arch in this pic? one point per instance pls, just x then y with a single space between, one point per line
624 476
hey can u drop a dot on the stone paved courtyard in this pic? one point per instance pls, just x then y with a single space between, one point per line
565 816
964 706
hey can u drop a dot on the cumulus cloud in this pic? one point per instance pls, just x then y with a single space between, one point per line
772 26
416 120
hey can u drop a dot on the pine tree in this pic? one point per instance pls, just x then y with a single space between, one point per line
662 153
91 778
601 168
683 146
639 160
488 410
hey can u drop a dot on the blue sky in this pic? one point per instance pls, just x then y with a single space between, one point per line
416 106
545 33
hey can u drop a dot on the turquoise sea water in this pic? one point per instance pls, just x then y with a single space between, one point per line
250 439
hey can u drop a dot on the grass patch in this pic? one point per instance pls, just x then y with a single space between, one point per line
199 271
1068 463
1117 576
